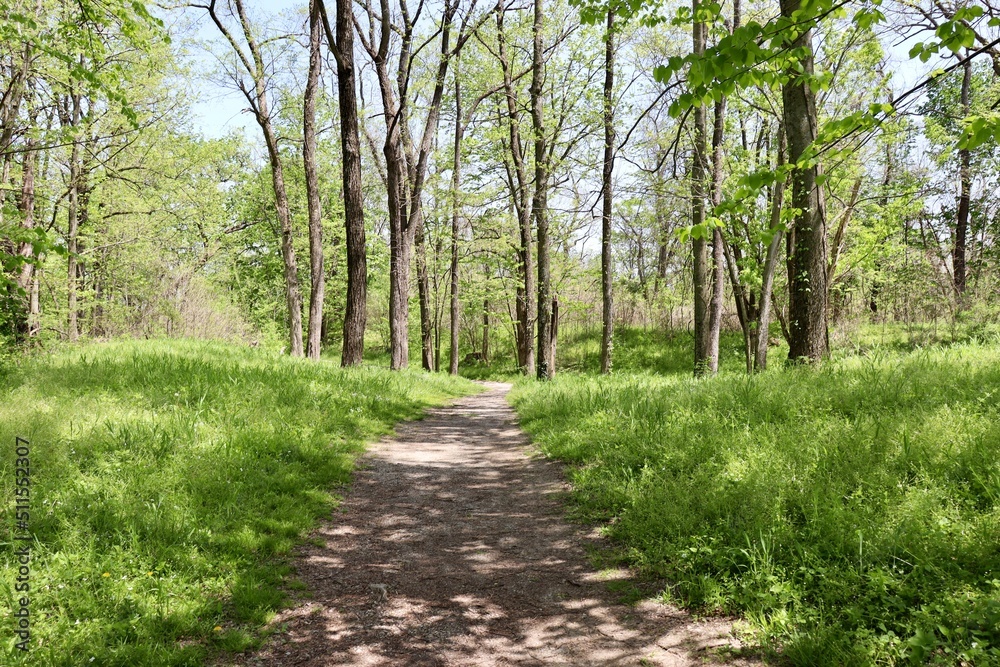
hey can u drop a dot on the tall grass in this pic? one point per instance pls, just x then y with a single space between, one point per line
170 480
850 513
648 350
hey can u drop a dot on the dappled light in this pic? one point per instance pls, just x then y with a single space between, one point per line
452 548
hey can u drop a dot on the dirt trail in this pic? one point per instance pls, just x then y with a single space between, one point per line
452 549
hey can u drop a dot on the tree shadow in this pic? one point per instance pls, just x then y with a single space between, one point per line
452 549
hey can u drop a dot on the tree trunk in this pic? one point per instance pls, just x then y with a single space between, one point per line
553 336
486 331
406 168
400 246
34 306
317 276
25 279
293 295
702 273
662 232
73 221
762 333
718 243
356 311
807 259
838 234
423 293
607 333
965 176
456 180
545 364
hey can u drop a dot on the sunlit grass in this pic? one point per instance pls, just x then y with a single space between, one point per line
850 513
170 481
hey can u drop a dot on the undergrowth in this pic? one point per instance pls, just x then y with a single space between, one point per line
169 482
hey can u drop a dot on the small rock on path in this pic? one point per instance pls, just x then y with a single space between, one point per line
452 549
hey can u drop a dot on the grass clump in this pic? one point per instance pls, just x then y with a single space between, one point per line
850 513
169 481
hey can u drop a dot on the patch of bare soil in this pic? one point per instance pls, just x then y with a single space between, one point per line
452 549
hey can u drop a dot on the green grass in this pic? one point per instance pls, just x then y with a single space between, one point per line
170 481
849 513
649 350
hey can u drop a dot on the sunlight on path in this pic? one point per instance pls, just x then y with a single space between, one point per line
451 549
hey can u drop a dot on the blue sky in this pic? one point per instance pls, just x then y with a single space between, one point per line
221 110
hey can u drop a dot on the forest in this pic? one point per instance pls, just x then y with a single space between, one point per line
738 260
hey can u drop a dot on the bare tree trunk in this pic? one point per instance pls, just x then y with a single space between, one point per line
400 249
34 306
317 276
10 100
423 293
770 263
607 333
23 325
659 206
486 331
807 259
883 201
356 311
545 365
838 235
554 337
456 180
293 295
27 208
965 176
400 234
424 296
73 222
701 276
718 243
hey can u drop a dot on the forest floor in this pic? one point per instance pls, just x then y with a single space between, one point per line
452 547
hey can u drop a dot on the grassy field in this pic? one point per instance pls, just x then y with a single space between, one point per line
849 513
169 482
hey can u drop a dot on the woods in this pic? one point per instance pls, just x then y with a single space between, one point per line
535 158
699 203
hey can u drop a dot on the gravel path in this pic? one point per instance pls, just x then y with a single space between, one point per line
451 549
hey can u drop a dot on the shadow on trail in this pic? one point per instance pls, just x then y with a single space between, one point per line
452 549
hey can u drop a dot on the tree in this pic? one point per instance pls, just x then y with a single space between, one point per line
807 239
522 201
316 275
405 159
607 310
539 205
706 360
251 64
455 312
356 312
